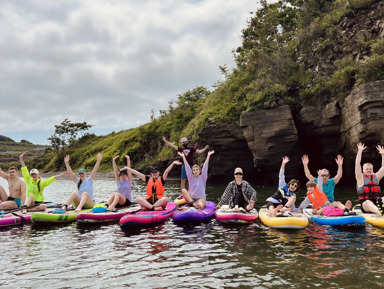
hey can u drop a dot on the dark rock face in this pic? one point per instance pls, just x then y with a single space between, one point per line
231 151
322 132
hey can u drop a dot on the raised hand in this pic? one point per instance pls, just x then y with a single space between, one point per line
99 156
211 153
380 149
285 160
305 159
66 159
22 155
361 146
339 160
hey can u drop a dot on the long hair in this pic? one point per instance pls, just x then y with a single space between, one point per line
79 184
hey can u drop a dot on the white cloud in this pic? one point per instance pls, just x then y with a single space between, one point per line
109 62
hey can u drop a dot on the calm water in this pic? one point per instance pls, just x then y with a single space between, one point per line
208 256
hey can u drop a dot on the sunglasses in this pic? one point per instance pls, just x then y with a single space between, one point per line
293 185
324 176
238 174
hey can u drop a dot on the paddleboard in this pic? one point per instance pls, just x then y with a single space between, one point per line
193 217
231 217
16 217
146 219
90 217
371 218
50 218
293 221
349 220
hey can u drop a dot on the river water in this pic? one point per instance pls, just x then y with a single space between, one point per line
207 256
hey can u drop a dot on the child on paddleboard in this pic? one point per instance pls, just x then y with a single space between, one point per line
321 204
283 200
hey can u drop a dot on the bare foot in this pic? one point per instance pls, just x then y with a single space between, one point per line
278 208
236 208
348 205
158 209
283 210
184 209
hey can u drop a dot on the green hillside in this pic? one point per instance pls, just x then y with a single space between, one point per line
288 52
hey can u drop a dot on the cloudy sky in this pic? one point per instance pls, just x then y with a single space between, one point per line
108 62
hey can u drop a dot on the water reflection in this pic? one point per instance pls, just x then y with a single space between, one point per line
206 256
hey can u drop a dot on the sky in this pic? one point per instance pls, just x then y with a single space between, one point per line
108 63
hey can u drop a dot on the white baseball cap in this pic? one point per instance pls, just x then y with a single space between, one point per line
34 171
183 139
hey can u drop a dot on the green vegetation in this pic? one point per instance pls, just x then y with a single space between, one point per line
282 48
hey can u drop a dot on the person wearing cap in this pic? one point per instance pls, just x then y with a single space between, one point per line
84 195
238 194
155 199
123 179
188 152
197 179
283 200
35 186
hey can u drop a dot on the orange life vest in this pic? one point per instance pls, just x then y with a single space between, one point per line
317 198
155 189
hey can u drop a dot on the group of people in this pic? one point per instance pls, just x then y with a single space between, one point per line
27 192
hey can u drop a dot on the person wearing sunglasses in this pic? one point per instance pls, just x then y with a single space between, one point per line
283 200
368 187
238 194
328 184
320 203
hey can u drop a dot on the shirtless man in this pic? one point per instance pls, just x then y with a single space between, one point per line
17 190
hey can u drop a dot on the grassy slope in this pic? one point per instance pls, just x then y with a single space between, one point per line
274 62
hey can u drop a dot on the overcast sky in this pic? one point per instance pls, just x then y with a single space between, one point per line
108 62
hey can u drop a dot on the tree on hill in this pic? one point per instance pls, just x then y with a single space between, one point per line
67 133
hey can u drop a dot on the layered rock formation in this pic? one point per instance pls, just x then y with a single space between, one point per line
266 135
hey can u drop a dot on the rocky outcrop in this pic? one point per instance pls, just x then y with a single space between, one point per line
265 136
231 151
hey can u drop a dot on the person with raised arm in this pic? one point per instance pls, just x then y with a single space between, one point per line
368 187
155 199
188 152
319 200
35 186
123 179
197 178
283 200
17 190
328 184
84 195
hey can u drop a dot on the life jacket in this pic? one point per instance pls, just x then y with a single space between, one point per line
286 193
317 198
155 189
370 189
